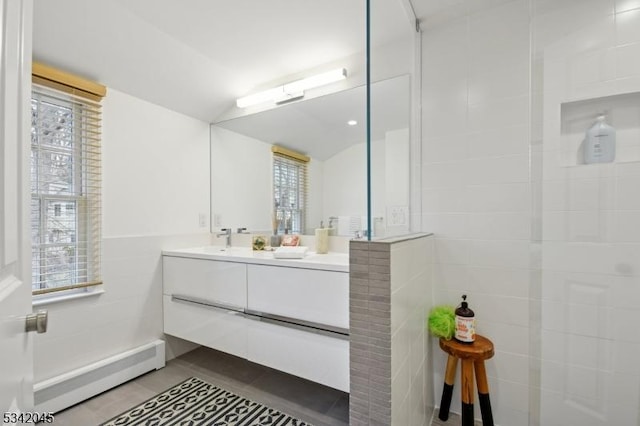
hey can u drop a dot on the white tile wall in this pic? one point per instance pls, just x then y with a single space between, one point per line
486 197
590 226
512 140
127 315
411 283
476 188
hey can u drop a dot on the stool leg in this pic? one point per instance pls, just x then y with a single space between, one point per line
447 389
467 389
483 393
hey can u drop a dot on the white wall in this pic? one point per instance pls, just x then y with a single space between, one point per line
345 181
155 185
476 189
241 187
156 169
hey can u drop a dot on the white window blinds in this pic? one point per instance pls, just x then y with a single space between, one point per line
289 190
65 190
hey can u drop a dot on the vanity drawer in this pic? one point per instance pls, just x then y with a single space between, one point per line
316 357
313 296
212 327
222 283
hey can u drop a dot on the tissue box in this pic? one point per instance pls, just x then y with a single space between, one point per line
288 252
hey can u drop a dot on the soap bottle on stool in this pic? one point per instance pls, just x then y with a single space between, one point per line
465 323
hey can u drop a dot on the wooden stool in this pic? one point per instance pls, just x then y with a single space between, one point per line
472 356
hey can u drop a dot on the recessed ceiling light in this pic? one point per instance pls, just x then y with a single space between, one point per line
352 122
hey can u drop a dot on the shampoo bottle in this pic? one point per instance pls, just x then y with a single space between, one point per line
465 322
600 142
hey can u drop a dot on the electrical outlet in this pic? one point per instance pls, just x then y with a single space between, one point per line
398 215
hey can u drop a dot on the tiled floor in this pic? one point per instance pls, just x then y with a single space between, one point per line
454 420
314 403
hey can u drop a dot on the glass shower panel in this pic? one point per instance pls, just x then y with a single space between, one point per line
392 75
585 65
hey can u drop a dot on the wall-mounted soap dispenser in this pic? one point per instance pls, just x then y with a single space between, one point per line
600 142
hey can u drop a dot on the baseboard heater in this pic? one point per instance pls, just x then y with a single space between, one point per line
65 390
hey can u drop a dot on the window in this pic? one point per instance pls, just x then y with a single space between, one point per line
65 182
289 190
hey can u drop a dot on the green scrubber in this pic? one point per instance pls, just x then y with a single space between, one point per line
442 321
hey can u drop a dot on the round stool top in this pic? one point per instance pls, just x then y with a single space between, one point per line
479 350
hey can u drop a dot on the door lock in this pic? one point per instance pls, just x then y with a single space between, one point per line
37 321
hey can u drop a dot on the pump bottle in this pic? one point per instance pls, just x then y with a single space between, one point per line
600 142
465 322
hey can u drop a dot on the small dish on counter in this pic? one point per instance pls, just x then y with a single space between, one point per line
290 252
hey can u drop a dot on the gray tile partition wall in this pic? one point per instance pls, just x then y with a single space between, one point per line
390 294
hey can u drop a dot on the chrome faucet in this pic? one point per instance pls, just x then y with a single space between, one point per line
226 232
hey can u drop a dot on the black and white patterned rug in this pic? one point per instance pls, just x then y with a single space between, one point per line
197 403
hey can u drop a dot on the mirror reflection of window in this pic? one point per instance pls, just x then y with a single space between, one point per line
289 190
241 157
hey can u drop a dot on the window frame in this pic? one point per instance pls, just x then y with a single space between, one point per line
82 98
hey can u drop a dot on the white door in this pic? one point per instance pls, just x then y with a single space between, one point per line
16 358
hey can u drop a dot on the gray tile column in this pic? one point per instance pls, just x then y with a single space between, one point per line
389 296
370 329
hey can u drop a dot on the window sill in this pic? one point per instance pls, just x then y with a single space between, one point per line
48 300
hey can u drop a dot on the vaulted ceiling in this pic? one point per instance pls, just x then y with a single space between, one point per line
197 56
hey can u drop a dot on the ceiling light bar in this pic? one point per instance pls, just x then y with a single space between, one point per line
260 97
293 90
316 81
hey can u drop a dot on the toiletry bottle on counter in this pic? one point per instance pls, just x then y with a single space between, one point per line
600 142
465 322
322 240
275 240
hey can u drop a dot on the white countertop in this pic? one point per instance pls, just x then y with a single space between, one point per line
331 261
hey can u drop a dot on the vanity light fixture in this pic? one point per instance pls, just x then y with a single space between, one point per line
294 90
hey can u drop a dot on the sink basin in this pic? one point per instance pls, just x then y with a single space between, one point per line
230 251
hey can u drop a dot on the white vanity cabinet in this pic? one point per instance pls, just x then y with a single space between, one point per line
318 357
218 283
204 302
318 297
281 297
288 315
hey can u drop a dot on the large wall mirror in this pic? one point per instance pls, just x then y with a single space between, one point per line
317 125
322 128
